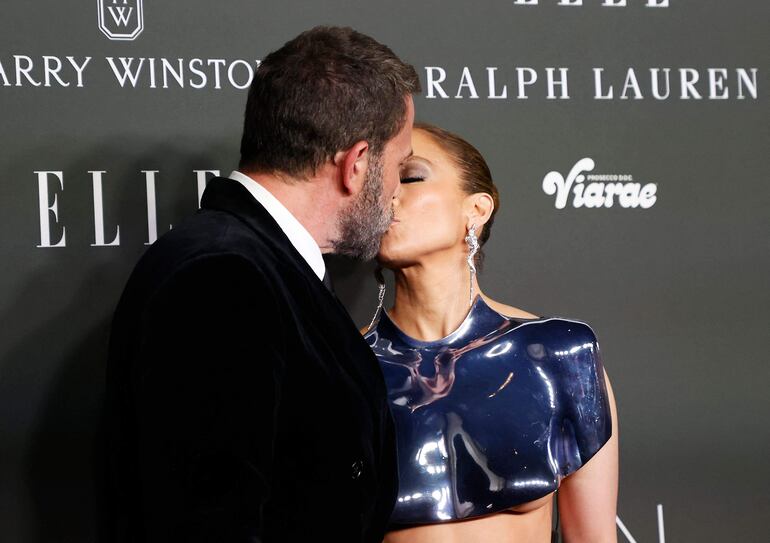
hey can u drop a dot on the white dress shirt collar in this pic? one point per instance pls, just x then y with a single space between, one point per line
297 234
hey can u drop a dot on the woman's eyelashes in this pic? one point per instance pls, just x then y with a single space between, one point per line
411 179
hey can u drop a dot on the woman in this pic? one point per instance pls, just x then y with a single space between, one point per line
495 408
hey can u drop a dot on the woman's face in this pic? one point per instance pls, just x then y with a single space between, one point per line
429 220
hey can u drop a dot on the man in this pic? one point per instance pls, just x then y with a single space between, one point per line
243 403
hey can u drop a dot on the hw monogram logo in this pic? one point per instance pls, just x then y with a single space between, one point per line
121 19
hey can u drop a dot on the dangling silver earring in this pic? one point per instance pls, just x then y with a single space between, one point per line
473 247
380 295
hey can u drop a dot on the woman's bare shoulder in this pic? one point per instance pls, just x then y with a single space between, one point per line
509 310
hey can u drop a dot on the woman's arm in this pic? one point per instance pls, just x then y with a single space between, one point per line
588 497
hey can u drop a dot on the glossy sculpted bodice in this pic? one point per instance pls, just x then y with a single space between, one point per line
493 415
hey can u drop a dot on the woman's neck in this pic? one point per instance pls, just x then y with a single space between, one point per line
432 300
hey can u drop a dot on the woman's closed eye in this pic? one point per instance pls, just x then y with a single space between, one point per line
414 171
411 179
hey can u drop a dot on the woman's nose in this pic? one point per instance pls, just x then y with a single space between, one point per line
397 192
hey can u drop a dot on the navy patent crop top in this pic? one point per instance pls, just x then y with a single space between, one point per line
493 415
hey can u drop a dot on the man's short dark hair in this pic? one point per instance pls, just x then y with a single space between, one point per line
320 93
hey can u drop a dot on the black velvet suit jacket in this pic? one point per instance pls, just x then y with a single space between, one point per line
242 404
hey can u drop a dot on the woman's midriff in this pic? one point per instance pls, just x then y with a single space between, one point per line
526 523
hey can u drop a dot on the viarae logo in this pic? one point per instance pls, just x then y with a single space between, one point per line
121 19
601 190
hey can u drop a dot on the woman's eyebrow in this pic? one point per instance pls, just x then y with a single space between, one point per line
417 158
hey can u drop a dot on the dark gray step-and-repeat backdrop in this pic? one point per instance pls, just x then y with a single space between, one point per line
629 140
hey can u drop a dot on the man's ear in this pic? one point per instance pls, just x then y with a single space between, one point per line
351 166
479 207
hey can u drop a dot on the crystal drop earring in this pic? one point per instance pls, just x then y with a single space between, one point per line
380 295
473 247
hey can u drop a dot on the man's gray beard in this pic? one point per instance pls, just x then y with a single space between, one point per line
364 222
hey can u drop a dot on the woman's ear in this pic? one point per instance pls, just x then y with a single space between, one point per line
479 209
